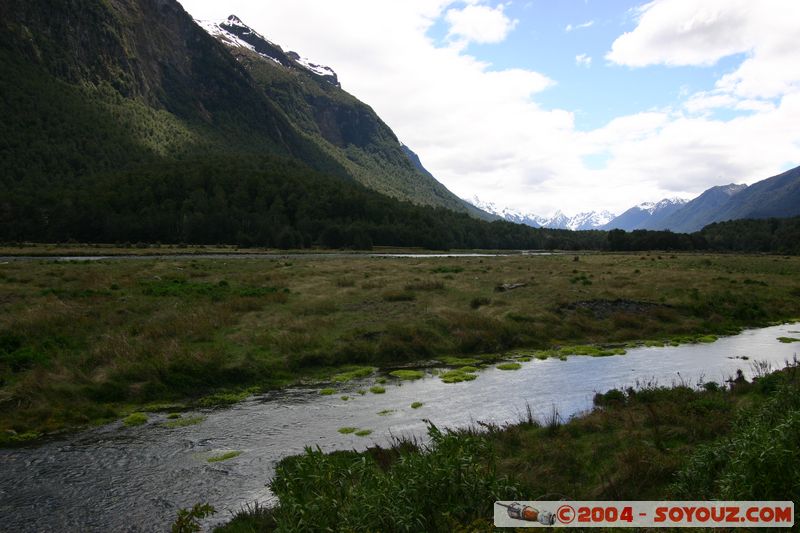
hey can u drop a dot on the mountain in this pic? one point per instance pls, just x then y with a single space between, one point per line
582 221
778 196
695 214
347 130
645 216
91 87
588 220
775 197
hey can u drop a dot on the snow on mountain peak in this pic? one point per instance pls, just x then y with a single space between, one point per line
581 221
653 207
236 34
319 70
217 31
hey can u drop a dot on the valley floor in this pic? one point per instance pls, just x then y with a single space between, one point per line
83 342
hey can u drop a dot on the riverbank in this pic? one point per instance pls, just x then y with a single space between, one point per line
734 441
87 342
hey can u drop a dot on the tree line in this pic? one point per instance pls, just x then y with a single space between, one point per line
273 202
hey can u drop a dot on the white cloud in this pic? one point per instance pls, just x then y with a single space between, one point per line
583 60
479 23
571 27
480 131
687 32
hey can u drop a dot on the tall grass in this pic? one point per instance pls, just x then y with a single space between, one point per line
434 488
760 459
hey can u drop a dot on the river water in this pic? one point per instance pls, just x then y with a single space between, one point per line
267 256
115 478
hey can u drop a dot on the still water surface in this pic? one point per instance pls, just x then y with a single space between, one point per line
134 479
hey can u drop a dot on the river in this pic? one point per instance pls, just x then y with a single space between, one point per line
116 478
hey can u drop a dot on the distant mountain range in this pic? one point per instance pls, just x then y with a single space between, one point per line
775 197
581 221
778 197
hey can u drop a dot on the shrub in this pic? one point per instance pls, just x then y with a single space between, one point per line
452 480
758 461
187 521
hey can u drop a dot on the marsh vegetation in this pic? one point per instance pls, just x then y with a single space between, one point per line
88 342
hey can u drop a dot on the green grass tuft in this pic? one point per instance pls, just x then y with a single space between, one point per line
417 405
706 338
224 457
327 392
509 366
135 419
458 375
787 340
347 430
377 389
363 432
355 373
408 374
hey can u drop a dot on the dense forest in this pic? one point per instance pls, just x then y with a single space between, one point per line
264 201
277 202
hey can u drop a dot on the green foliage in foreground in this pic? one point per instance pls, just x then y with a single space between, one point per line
425 490
188 519
759 460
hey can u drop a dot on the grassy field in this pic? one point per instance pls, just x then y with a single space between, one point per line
86 342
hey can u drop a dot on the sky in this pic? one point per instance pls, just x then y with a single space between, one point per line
570 105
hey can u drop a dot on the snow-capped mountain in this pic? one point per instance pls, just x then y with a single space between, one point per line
648 215
236 34
590 220
581 221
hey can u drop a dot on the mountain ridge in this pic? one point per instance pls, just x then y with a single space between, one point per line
348 130
774 197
